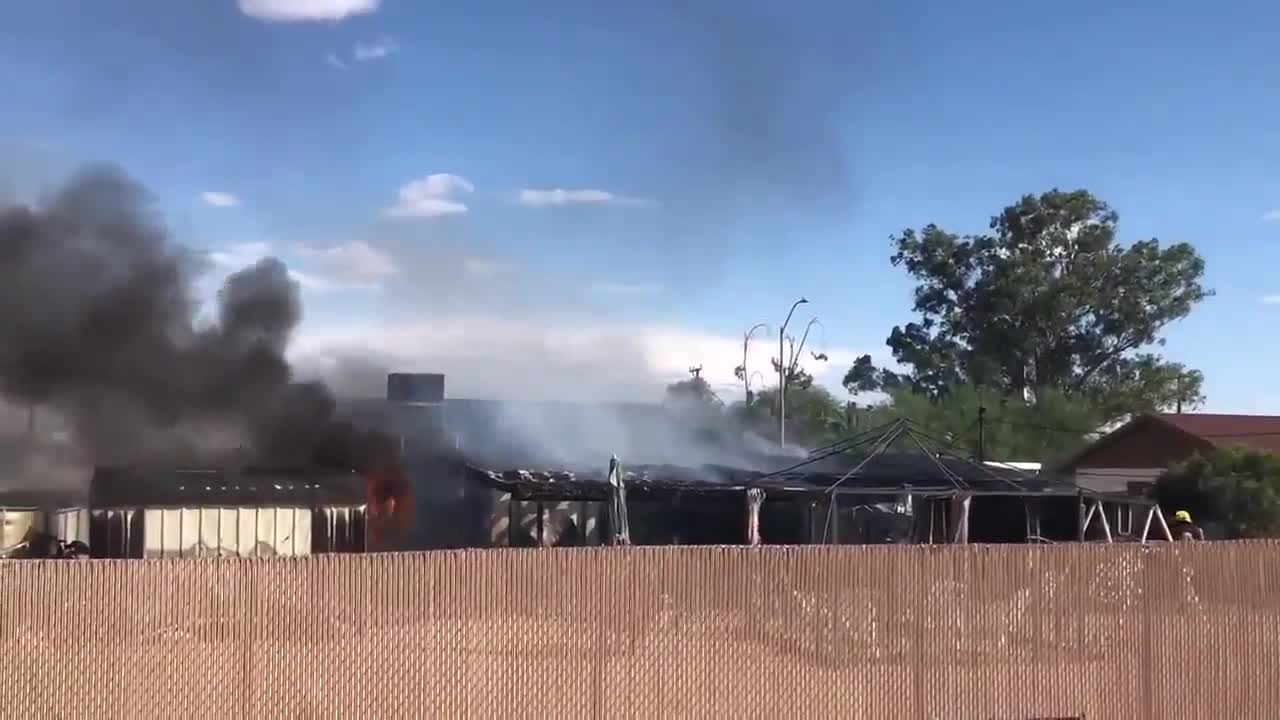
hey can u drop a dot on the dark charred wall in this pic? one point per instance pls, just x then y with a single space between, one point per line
786 521
998 519
687 519
449 512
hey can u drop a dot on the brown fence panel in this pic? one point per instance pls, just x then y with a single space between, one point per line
1016 632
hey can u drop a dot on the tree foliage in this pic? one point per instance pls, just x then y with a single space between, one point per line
1234 491
692 394
1046 300
814 416
1013 429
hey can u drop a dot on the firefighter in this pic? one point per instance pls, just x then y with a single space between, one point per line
1183 529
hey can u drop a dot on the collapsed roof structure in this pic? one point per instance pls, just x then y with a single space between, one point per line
890 483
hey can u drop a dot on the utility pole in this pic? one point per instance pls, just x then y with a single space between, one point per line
982 434
782 376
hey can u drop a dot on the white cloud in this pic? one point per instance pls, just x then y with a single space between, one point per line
559 197
490 355
621 288
239 256
218 199
1271 299
234 258
487 267
307 10
1271 216
353 265
375 50
336 62
431 196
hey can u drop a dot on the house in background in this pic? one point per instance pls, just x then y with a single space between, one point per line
1131 457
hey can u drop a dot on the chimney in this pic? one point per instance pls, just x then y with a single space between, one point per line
415 409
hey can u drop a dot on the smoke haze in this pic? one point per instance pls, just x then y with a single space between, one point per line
742 114
97 324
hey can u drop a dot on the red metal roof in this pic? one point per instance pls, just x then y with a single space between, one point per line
1256 431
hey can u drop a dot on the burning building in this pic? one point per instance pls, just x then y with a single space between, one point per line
866 490
35 525
887 484
247 512
422 478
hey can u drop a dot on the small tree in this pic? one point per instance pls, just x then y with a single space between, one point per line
1235 491
814 415
693 392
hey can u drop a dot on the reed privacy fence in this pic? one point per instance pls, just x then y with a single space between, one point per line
1119 631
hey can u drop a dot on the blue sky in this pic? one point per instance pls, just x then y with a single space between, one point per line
735 159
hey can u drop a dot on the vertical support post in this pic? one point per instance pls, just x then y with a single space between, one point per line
542 525
755 497
961 532
1164 526
835 518
1088 518
1146 526
1106 525
511 519
982 434
1081 518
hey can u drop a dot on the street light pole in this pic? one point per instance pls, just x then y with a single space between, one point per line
782 376
746 374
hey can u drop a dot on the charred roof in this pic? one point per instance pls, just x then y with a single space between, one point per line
255 486
862 464
894 473
45 499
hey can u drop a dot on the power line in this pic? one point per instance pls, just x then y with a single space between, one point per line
836 448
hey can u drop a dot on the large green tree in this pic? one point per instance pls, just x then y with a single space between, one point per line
1012 429
1235 491
1047 299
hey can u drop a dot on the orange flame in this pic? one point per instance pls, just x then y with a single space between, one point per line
390 506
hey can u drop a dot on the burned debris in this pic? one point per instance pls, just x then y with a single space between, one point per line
867 490
399 483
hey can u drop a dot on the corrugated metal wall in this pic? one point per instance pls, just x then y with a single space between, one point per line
212 531
67 525
1100 631
70 525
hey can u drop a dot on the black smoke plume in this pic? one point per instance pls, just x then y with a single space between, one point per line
98 321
